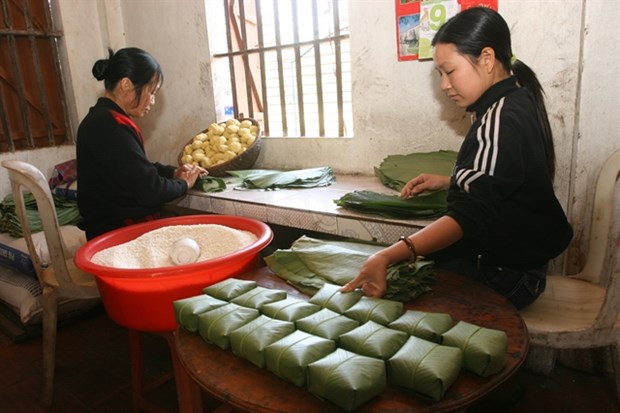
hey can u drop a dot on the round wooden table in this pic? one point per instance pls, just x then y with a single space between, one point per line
242 385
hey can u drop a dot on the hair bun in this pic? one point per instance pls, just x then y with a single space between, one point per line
100 68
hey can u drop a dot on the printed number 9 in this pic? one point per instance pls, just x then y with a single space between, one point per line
438 16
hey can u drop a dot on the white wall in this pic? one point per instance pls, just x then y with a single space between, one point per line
398 108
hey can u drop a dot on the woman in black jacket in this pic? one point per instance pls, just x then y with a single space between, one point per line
504 222
117 184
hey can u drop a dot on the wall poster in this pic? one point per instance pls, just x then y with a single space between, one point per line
417 21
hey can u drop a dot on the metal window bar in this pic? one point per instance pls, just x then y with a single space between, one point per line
263 76
243 45
317 68
340 98
276 13
316 42
231 57
300 85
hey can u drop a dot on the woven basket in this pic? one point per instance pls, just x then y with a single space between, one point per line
242 161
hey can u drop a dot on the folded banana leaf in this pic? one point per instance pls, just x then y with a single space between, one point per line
273 179
216 325
289 309
249 341
327 324
229 288
429 326
329 296
289 357
373 340
186 310
376 309
484 349
311 262
346 379
209 184
396 170
393 206
256 297
425 367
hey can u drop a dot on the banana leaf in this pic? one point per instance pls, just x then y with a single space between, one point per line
393 206
429 326
209 184
289 309
274 179
375 309
250 340
216 325
229 288
373 340
396 170
326 323
484 349
311 262
425 367
329 296
256 297
66 210
186 310
289 357
346 379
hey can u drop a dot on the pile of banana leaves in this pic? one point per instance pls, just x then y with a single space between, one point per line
393 206
269 179
66 210
394 172
311 262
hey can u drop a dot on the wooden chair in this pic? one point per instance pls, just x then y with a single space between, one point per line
59 279
581 311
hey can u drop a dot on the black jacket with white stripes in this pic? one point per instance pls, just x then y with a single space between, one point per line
501 192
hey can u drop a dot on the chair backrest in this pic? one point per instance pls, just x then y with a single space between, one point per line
25 176
601 241
603 245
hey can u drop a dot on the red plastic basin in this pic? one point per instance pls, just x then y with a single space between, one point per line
141 299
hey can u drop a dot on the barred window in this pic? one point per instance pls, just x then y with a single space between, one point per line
284 63
32 100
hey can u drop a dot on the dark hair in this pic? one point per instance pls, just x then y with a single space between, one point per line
476 28
134 63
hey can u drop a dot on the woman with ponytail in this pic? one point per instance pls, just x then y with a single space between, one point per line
503 222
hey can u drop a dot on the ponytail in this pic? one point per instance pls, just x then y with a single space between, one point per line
527 79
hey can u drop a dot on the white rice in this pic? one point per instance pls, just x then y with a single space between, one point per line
152 249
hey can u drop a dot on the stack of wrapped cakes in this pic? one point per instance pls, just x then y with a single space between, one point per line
344 347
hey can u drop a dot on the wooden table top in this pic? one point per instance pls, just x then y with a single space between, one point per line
241 384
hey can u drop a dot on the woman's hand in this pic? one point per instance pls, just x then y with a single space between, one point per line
372 277
189 173
425 183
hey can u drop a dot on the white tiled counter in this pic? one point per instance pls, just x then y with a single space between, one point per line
310 209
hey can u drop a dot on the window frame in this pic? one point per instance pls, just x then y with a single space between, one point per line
260 100
34 51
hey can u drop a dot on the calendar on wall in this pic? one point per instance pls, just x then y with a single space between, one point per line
417 21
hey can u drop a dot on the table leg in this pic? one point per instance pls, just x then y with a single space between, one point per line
188 392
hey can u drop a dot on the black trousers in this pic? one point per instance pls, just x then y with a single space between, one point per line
520 286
